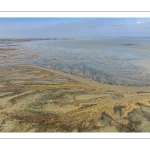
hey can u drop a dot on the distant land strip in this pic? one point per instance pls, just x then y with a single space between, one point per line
75 11
77 138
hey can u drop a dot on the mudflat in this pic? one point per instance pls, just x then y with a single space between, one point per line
55 86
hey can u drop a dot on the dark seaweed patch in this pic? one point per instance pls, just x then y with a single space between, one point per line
118 110
107 120
124 128
138 121
145 111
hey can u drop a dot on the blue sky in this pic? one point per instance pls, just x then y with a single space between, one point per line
74 27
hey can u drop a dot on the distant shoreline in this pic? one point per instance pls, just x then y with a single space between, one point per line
54 38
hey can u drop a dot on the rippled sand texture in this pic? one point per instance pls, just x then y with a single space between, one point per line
40 93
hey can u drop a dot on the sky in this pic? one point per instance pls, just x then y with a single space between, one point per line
74 27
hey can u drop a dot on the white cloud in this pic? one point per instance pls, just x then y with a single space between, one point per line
139 22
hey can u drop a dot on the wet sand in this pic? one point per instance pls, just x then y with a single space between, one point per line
97 84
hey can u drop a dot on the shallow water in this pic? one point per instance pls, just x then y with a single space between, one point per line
111 61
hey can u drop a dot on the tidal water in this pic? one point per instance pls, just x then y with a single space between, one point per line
112 61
